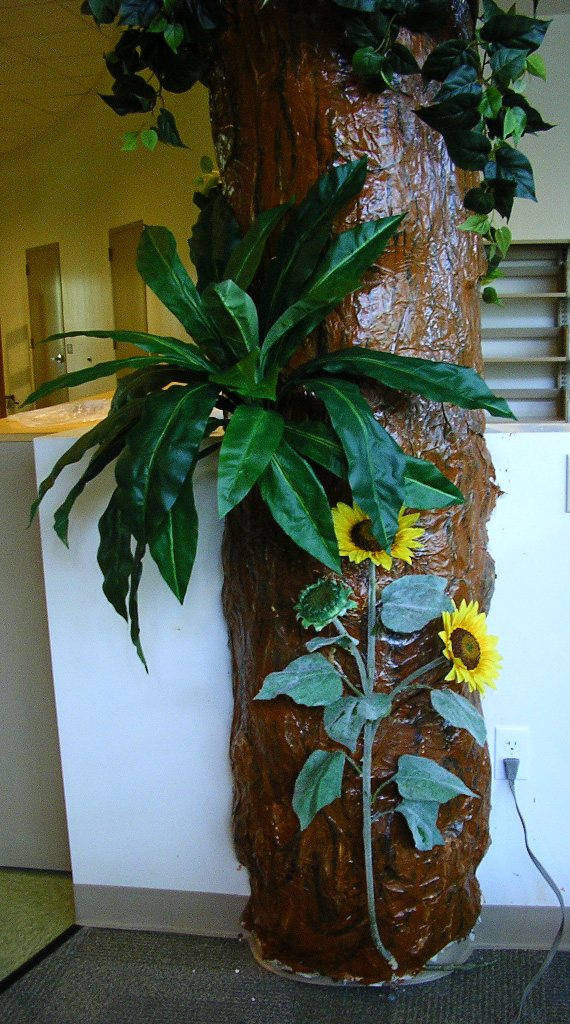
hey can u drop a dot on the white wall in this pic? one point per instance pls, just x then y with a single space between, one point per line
146 774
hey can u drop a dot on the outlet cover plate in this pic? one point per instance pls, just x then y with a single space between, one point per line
512 741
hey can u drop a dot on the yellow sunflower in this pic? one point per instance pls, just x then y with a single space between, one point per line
356 541
467 645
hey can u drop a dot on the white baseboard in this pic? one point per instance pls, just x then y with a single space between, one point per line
219 914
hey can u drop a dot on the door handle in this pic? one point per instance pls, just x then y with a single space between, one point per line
59 358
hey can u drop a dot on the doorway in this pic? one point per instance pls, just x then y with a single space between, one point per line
129 289
46 317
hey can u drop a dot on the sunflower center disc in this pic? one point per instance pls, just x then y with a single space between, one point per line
363 538
465 646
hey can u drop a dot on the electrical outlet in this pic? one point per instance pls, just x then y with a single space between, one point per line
512 741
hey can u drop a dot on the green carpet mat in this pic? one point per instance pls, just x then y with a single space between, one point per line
35 907
99 976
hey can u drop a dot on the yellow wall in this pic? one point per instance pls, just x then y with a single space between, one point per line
72 185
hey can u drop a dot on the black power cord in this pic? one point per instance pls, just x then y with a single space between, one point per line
511 768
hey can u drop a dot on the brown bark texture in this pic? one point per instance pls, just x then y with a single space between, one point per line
285 108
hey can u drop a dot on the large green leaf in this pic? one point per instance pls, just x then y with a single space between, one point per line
251 438
111 426
71 380
245 378
310 680
421 816
298 503
235 315
162 270
376 464
338 273
440 382
245 258
460 712
160 452
427 488
319 783
420 778
182 353
107 453
307 232
133 608
214 237
115 556
173 544
408 604
316 441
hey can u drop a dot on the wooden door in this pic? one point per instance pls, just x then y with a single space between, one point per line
129 290
2 381
46 318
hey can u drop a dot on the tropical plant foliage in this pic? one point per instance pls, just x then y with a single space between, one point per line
228 381
479 109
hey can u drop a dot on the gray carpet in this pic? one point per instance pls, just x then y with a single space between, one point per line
101 976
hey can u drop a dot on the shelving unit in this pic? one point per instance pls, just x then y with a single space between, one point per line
526 341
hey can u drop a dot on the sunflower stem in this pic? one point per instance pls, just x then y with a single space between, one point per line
371 647
369 733
356 655
417 674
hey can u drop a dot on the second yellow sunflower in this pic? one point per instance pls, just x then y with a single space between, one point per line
356 541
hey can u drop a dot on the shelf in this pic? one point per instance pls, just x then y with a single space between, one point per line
532 295
520 334
528 394
522 361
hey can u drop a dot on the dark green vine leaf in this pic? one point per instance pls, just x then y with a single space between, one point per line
446 58
411 602
421 816
514 31
507 65
167 129
376 464
479 201
420 778
460 712
512 165
425 16
250 441
319 783
298 503
463 81
468 150
310 680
